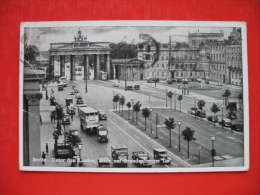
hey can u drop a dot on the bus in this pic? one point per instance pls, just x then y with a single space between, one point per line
89 119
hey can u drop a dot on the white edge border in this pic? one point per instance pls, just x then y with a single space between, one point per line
242 25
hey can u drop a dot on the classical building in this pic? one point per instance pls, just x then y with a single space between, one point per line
128 69
80 59
31 115
198 38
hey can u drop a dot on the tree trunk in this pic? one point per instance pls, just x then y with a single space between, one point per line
145 123
136 117
188 149
180 106
128 113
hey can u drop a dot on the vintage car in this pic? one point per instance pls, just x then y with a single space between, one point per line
137 87
237 126
79 100
129 87
73 137
71 110
212 118
60 87
142 159
102 115
161 155
102 134
66 119
225 122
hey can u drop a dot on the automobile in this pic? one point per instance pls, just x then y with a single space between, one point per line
169 81
73 137
226 122
141 159
178 80
129 87
60 87
102 116
79 100
72 93
102 134
213 118
81 106
66 119
68 101
76 91
232 116
150 80
185 81
193 110
115 85
104 162
237 126
53 101
161 155
71 109
137 87
201 114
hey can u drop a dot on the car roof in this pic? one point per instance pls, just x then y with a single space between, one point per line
159 149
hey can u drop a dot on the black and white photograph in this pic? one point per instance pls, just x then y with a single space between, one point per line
133 96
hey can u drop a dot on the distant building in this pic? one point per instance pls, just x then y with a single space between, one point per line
198 38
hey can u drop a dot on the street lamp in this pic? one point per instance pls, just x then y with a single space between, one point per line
156 125
213 151
199 149
151 129
179 128
222 115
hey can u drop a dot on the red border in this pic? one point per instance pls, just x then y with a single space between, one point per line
12 181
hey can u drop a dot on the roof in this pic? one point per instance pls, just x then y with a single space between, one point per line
160 149
87 109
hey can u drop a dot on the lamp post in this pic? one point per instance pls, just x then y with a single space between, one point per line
179 128
213 151
222 115
151 129
156 125
199 149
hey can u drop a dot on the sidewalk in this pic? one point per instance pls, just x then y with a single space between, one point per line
234 162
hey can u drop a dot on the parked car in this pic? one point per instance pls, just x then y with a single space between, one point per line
104 162
193 110
201 114
232 116
152 80
129 87
137 87
79 100
213 118
161 155
238 126
226 122
115 85
102 134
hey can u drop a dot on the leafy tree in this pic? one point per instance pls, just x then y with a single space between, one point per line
137 108
31 53
146 112
201 104
214 108
128 105
170 125
188 135
180 99
121 102
169 95
232 108
123 50
226 96
115 101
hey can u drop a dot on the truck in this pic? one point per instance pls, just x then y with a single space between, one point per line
63 151
161 155
102 134
119 155
68 101
142 159
89 119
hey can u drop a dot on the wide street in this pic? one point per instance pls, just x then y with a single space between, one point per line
121 132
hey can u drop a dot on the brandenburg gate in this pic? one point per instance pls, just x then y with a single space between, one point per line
80 59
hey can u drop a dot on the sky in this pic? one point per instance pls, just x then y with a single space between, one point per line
43 36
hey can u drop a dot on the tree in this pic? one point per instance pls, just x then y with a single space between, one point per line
201 104
226 96
214 108
170 125
232 108
188 136
180 99
146 112
121 102
115 101
122 50
31 53
128 105
137 108
169 95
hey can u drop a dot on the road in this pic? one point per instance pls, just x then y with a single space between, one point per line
120 131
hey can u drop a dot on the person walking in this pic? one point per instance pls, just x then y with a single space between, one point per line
43 158
47 148
52 117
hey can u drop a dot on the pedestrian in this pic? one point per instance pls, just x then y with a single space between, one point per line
47 148
71 116
40 119
43 158
52 117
